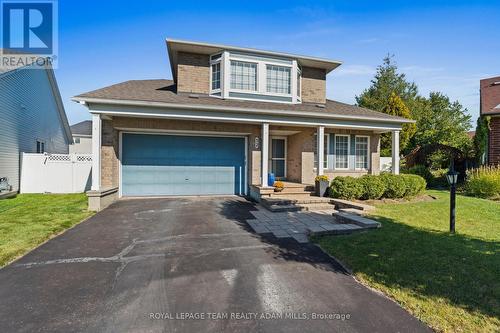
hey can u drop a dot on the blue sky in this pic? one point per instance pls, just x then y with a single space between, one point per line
441 45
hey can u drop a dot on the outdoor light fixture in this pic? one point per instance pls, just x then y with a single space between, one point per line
452 177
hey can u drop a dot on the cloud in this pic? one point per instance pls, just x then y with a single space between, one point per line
369 40
355 70
416 69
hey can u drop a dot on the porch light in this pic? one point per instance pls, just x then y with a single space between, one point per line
452 177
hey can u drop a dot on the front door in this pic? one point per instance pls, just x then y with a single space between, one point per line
278 157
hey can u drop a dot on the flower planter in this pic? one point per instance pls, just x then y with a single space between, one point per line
278 189
321 187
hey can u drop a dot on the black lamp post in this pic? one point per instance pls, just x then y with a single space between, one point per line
452 178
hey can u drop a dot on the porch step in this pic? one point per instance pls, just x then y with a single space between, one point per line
294 204
341 204
295 200
299 207
291 194
347 218
353 211
336 229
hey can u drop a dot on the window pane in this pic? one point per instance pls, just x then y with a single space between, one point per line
361 152
341 151
278 168
278 148
243 75
216 76
278 79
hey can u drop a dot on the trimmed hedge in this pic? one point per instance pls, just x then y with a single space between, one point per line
376 187
373 187
346 188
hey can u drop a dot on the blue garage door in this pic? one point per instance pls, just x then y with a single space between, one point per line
182 165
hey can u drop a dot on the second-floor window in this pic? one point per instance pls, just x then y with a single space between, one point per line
243 75
216 76
278 79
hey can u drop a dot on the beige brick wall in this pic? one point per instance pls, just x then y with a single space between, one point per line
313 85
109 155
110 140
193 73
300 156
300 147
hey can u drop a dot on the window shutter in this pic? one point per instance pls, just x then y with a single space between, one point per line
331 151
352 153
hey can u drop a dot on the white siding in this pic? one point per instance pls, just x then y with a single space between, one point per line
28 112
84 147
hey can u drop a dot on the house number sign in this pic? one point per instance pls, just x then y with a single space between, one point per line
256 143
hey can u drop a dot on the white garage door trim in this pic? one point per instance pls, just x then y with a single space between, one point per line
181 133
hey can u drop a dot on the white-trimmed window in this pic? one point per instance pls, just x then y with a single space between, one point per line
326 144
361 152
278 79
299 79
342 151
40 146
243 75
216 76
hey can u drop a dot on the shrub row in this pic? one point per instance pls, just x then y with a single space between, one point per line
483 182
377 187
434 178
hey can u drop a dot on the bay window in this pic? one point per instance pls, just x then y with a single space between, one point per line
278 79
243 75
341 151
216 76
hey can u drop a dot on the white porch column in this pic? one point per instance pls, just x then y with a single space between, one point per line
265 153
320 136
395 152
96 152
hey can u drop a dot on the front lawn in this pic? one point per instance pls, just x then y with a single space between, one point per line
450 282
28 220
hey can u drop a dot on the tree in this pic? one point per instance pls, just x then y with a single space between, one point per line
481 139
441 121
387 80
396 107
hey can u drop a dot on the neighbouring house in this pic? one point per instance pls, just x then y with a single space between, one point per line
229 117
82 138
490 107
32 118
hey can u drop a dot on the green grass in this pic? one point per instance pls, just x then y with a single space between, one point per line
28 220
450 282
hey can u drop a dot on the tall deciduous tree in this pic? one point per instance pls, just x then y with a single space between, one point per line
396 107
438 119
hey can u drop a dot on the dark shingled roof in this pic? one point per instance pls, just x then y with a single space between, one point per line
82 128
164 91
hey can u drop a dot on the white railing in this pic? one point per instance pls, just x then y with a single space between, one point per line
55 173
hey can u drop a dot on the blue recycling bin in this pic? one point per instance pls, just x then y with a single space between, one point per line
270 179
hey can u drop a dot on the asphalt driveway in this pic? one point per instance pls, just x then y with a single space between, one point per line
186 265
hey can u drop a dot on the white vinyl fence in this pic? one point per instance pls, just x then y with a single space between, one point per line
385 163
55 173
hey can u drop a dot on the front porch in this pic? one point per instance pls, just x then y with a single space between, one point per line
295 153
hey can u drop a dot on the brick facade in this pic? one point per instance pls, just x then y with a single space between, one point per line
193 73
300 147
313 85
494 141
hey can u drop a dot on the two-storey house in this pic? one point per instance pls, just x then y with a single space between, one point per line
490 107
229 117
